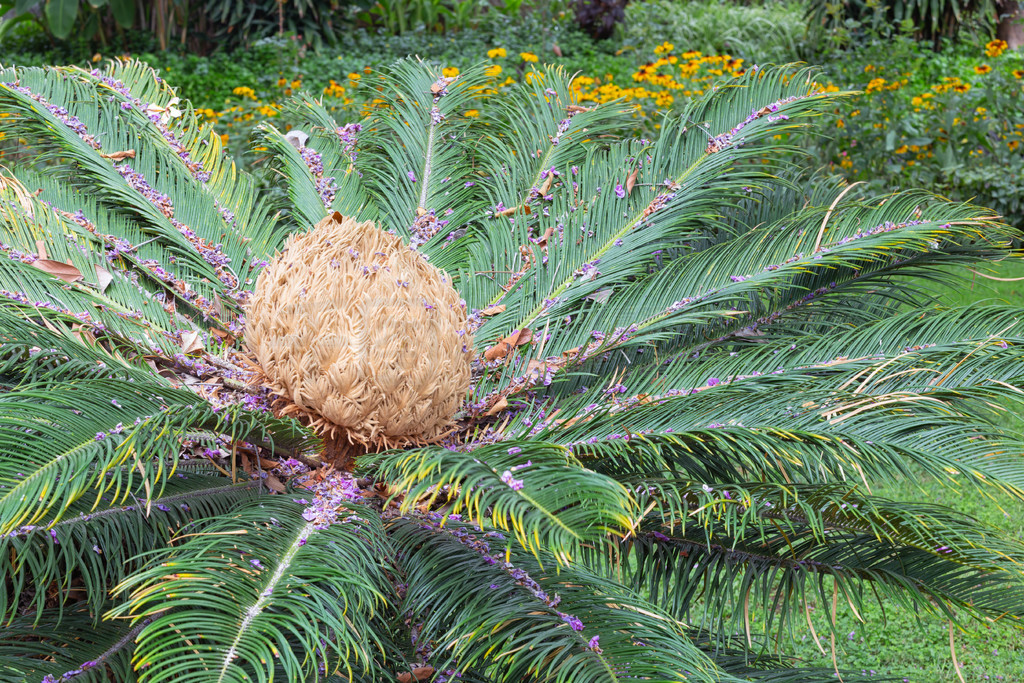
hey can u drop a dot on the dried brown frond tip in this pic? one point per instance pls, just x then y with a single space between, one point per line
360 336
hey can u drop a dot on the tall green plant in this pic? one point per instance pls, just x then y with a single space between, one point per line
930 21
688 373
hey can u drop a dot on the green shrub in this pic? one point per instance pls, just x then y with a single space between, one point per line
952 122
772 32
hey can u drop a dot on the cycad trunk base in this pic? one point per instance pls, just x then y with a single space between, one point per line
361 338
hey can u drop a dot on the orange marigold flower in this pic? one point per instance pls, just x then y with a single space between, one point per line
994 48
982 69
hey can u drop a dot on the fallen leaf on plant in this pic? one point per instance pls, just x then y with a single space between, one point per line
62 271
120 156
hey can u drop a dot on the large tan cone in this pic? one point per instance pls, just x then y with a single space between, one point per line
360 336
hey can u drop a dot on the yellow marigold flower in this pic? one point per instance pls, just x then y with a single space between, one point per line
497 53
245 91
902 149
1018 73
994 48
492 71
962 87
663 48
982 69
840 124
916 101
281 82
296 84
472 113
223 138
450 71
528 56
691 54
1013 145
354 76
875 84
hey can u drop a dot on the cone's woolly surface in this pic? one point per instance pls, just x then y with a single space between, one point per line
360 335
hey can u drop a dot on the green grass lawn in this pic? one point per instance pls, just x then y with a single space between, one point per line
915 648
898 643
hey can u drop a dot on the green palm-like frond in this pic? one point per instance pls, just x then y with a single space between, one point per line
289 596
61 446
775 544
67 644
536 491
95 545
525 624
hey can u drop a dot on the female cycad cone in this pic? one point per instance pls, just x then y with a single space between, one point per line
360 337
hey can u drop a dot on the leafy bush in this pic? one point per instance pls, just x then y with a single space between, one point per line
201 27
850 21
687 373
772 32
943 124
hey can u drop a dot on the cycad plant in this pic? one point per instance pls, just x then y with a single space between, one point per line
686 370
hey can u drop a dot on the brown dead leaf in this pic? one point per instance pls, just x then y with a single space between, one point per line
61 271
535 368
420 673
268 464
557 50
191 342
524 336
502 348
506 212
499 350
275 484
545 237
120 156
493 310
499 406
436 88
547 184
103 278
221 311
41 249
224 336
631 180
